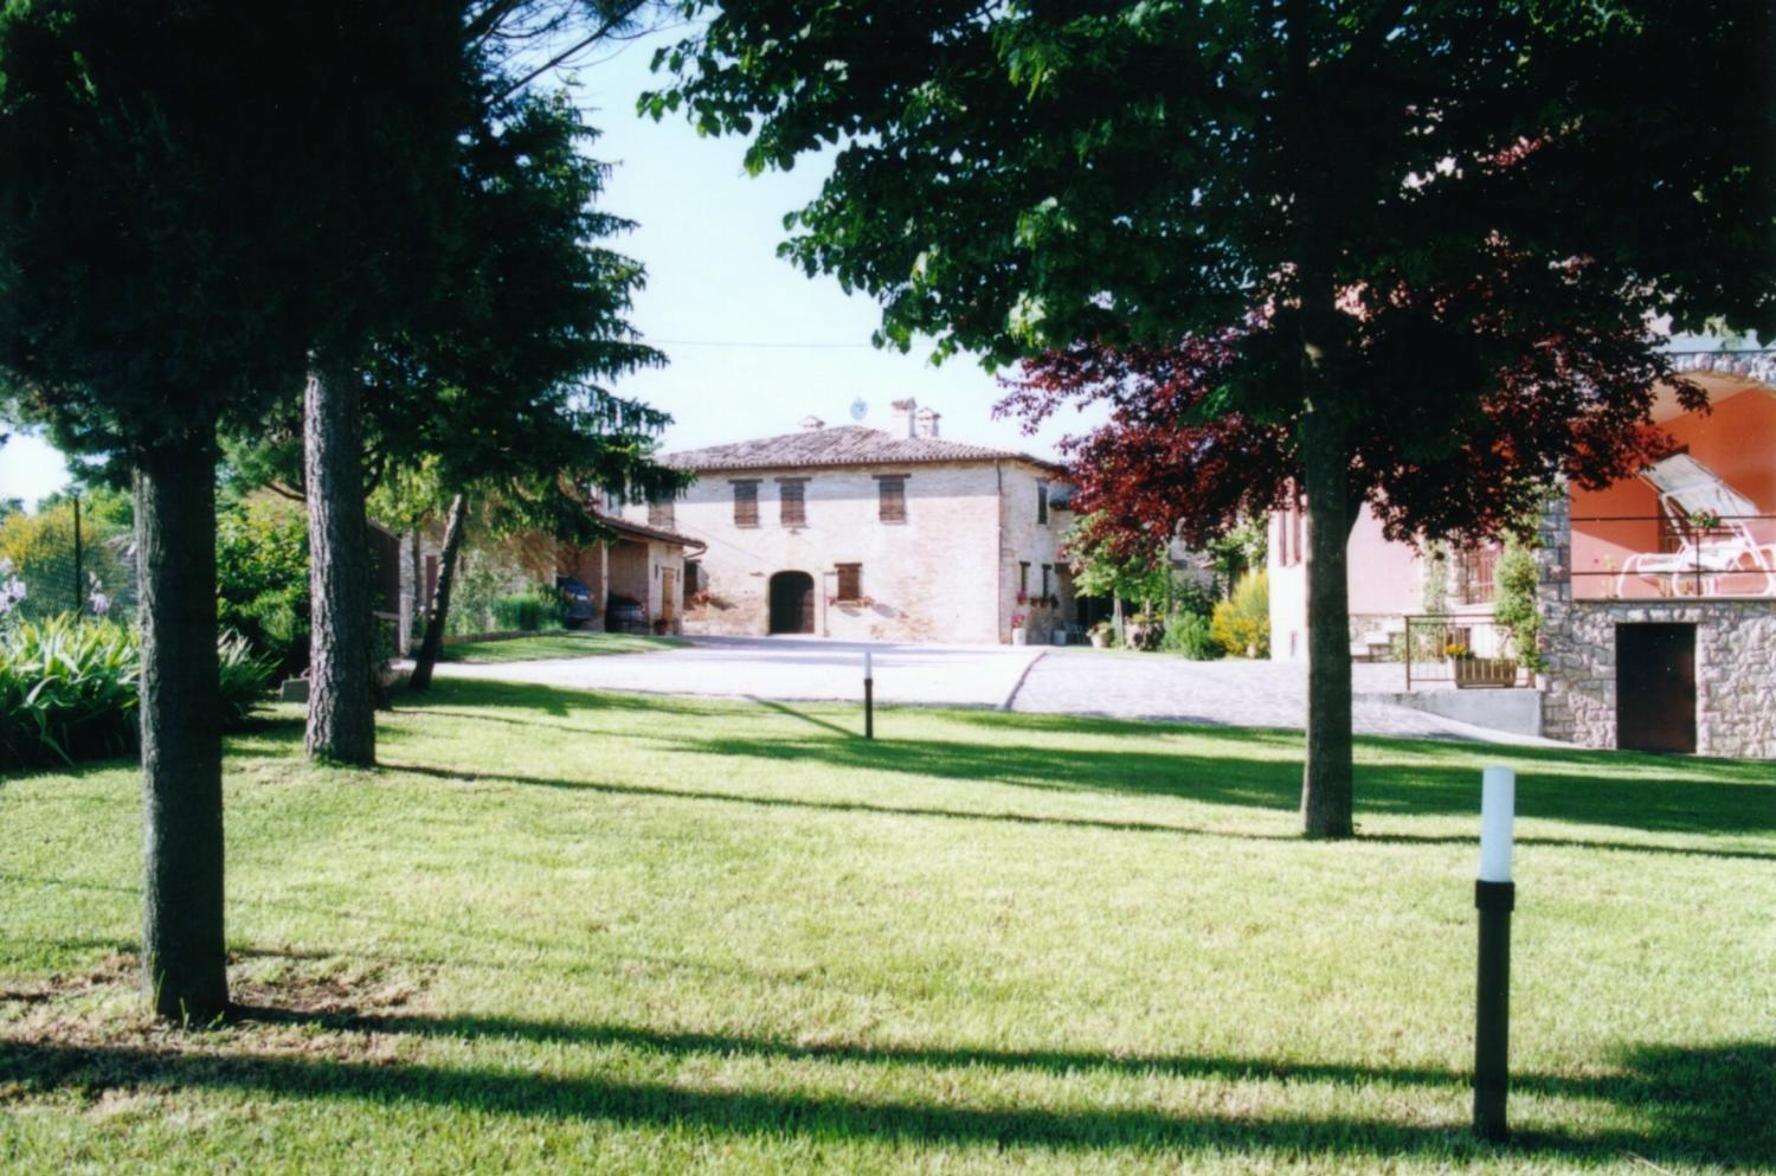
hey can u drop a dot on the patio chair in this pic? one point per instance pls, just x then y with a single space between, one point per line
1688 489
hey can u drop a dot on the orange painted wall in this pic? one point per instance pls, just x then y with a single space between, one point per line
1737 441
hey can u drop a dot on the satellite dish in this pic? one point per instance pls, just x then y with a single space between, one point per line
859 409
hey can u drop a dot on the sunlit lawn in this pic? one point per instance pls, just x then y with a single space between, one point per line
571 932
566 643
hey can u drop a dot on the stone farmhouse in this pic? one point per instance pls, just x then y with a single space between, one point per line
1657 593
862 533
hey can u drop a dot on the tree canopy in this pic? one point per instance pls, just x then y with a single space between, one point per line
1353 204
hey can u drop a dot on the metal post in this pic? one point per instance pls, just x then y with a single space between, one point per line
79 578
869 697
1494 896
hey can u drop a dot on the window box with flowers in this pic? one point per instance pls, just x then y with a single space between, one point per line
1472 672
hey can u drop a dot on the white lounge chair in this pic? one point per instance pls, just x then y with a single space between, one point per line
1689 490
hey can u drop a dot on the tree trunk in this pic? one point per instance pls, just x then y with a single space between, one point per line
184 959
1326 776
439 612
341 687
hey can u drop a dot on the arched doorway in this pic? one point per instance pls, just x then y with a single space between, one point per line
792 602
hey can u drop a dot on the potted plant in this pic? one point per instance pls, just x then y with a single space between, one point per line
1471 671
1145 630
1019 635
1100 634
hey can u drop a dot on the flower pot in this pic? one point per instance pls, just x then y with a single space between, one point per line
1020 636
1482 672
1100 640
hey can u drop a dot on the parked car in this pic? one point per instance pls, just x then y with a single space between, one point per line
625 614
576 601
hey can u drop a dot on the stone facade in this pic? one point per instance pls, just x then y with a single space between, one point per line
1735 658
971 539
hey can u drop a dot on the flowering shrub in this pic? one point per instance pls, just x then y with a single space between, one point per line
12 589
1241 623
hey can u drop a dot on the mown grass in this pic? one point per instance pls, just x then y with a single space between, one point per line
575 931
548 646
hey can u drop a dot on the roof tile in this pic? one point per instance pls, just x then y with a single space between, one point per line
841 445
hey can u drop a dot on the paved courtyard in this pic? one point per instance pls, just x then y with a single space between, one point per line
1042 680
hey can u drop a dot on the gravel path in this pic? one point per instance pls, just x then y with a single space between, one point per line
787 668
1234 692
1038 680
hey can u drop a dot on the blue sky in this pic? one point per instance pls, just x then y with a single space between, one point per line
708 235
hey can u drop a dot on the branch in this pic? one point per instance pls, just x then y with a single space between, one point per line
621 15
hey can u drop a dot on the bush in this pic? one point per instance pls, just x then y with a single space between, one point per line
70 689
1193 597
1515 578
244 678
1190 635
262 579
1242 622
537 608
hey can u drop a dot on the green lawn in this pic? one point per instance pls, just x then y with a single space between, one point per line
577 932
566 643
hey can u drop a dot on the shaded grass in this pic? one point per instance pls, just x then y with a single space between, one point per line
647 933
550 646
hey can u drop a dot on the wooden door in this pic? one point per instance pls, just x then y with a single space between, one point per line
668 594
1656 687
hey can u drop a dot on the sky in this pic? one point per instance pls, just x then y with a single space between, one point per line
754 345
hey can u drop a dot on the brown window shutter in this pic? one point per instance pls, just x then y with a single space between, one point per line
746 504
892 497
850 581
793 501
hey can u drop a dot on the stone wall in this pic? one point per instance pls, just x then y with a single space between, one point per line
948 573
1735 659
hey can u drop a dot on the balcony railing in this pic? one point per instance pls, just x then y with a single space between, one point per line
1466 652
1656 557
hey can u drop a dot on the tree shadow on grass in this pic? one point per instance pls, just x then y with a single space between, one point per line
1035 819
1700 1104
1255 768
1697 806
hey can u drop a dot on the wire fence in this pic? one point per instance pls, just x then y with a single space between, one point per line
63 561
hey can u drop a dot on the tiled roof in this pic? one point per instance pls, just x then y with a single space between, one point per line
842 445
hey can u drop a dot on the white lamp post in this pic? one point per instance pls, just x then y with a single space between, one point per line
869 696
1494 895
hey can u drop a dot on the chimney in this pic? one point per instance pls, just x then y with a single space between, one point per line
905 424
811 422
925 423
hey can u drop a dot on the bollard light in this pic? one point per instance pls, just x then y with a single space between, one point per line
1494 895
869 697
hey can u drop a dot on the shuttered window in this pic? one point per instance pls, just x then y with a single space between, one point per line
891 489
1023 578
746 504
1047 572
1042 503
792 495
850 581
